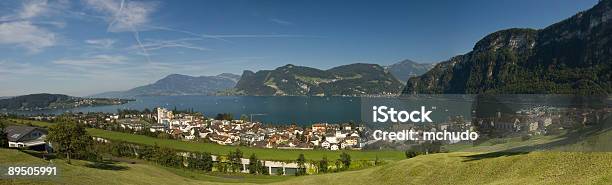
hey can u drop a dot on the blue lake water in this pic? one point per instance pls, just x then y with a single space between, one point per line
268 109
304 110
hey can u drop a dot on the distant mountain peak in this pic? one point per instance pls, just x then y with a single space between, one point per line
352 79
179 84
233 77
407 68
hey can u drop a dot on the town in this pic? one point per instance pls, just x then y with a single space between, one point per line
224 130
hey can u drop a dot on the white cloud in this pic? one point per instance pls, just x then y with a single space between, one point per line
280 21
102 61
33 8
24 27
26 35
101 43
124 15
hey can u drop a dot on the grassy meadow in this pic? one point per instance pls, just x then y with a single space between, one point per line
475 168
83 172
444 168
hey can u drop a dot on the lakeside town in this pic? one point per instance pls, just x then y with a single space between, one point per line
224 129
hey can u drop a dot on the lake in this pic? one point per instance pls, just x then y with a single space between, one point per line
267 109
304 110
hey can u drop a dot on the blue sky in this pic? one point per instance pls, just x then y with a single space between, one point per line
91 46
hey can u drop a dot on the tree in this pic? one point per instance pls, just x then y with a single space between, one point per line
244 117
323 164
301 161
168 157
69 138
207 162
411 153
200 161
3 137
196 133
376 161
224 116
262 168
253 164
235 159
193 161
345 159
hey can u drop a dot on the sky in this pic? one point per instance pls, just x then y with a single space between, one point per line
86 47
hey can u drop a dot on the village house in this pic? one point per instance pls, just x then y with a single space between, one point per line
27 137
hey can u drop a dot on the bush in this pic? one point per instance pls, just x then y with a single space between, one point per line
498 141
525 137
411 153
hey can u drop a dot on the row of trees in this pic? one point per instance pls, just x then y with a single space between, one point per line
3 137
424 148
341 164
71 140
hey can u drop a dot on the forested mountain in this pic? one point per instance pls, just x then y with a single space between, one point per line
177 84
53 101
573 56
353 80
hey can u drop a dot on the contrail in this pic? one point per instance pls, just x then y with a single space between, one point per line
137 37
190 33
136 33
116 16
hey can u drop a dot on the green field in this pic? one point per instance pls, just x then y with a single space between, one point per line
30 122
450 168
80 172
470 168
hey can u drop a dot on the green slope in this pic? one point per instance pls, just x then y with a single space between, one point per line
451 168
123 173
469 168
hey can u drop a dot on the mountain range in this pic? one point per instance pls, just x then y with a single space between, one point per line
291 80
407 69
53 101
570 57
177 84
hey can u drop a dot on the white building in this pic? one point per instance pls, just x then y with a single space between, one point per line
26 137
325 144
164 114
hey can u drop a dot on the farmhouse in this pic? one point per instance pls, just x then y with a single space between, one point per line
26 137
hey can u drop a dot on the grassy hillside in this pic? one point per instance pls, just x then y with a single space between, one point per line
81 172
451 168
470 168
